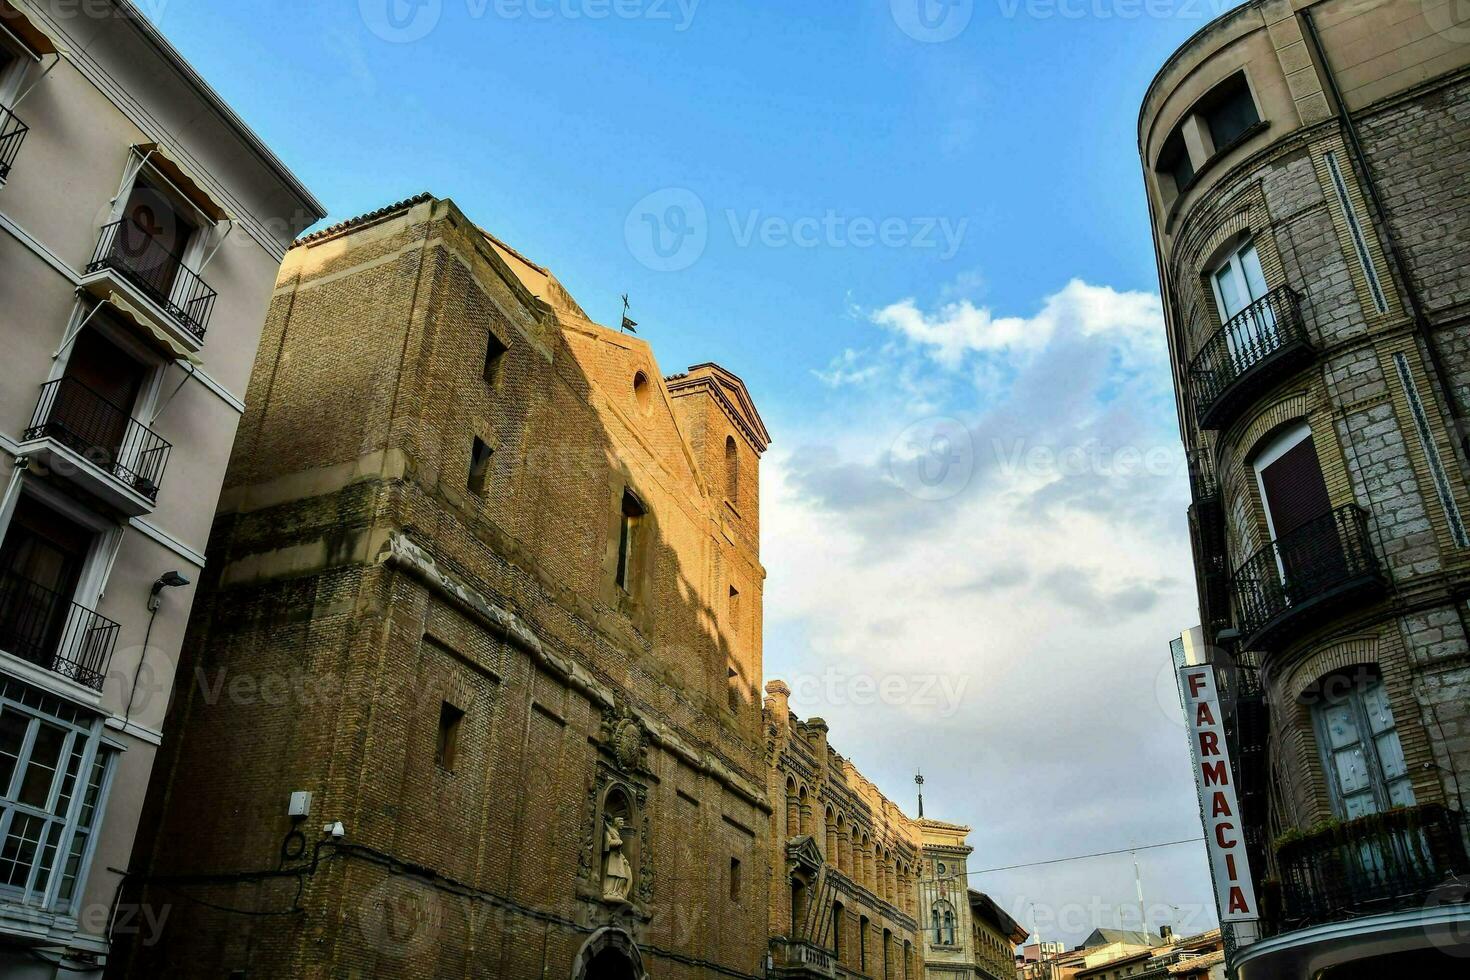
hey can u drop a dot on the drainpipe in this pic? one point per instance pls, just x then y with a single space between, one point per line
1379 216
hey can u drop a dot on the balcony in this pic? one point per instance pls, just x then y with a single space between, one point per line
12 134
1386 862
47 629
1292 582
128 255
82 437
798 958
1258 347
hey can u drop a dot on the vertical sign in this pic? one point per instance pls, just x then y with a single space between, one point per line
1235 895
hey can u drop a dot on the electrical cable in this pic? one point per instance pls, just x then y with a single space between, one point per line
1083 857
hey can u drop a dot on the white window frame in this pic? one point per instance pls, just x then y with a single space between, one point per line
91 752
1233 261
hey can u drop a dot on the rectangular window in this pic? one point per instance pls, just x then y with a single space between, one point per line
628 525
1229 111
447 746
733 607
480 455
1359 742
494 356
53 779
735 879
732 689
1174 161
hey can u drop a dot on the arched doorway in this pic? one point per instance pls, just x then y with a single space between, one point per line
609 955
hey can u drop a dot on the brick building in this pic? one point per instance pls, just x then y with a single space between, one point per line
487 586
1306 166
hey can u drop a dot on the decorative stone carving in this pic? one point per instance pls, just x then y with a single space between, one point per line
617 874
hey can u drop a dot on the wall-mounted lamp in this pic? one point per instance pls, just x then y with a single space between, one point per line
168 580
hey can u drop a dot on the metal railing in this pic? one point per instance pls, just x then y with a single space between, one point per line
161 275
46 628
1249 339
1202 483
102 433
12 134
1304 564
1381 863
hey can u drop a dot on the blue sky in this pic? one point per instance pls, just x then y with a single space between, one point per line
930 261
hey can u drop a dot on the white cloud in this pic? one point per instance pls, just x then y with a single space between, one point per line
1045 588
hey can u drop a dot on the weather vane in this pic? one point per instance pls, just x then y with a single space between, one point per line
919 781
629 326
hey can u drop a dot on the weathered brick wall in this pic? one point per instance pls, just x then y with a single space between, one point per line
362 408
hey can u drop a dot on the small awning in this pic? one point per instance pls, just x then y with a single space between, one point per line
31 36
147 324
182 179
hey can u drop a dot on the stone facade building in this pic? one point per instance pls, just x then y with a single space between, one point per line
844 889
141 228
1307 166
469 691
994 936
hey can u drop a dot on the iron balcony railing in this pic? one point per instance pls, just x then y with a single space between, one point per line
1202 483
1256 337
148 264
1386 862
12 134
1314 562
102 433
47 629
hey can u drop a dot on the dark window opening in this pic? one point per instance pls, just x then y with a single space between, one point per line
480 465
1174 161
734 607
447 746
628 524
863 943
735 879
1229 110
494 356
40 568
732 689
732 471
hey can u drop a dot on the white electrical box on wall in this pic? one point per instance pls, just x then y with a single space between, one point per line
300 804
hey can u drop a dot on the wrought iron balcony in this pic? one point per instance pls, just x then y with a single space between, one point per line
49 630
101 433
1253 350
1286 585
1202 483
12 134
157 272
1381 863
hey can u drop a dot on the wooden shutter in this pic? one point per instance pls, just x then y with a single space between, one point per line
1295 489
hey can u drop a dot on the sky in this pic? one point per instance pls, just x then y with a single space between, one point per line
917 230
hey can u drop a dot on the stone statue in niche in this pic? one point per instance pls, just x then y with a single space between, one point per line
617 873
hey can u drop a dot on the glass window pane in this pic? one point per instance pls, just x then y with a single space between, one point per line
20 849
1342 730
1250 265
71 870
12 737
1230 298
35 787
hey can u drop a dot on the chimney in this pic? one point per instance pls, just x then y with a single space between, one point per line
1166 933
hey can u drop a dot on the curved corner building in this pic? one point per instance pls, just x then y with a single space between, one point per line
1308 176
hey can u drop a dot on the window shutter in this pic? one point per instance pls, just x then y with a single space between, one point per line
1295 489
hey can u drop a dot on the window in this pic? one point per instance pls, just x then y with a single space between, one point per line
447 746
41 564
480 455
732 471
494 356
863 942
732 689
1237 283
1294 492
1229 111
942 922
54 773
732 607
641 393
1359 742
628 526
734 879
154 236
838 913
1174 161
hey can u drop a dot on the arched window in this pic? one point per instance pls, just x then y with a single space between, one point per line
942 921
732 471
